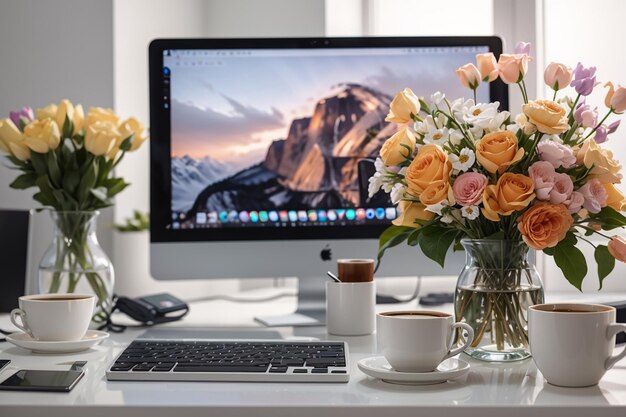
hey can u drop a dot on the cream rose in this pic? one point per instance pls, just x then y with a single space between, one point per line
394 151
547 115
498 150
402 106
12 141
99 114
513 192
48 112
42 135
100 137
430 164
132 126
544 225
603 166
410 211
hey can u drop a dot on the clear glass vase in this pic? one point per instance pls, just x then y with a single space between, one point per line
75 263
493 294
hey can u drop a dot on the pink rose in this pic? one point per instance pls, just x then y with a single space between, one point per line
595 195
575 202
543 175
469 76
512 68
562 190
488 66
468 188
556 153
557 76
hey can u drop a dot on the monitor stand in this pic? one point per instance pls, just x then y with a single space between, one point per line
311 309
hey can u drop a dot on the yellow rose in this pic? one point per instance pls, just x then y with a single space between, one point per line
402 106
100 137
50 111
12 141
132 126
64 109
99 114
430 164
615 199
513 192
544 225
547 115
605 168
42 135
392 151
496 151
79 118
410 211
435 193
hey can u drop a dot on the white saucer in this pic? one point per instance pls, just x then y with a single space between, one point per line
378 367
91 338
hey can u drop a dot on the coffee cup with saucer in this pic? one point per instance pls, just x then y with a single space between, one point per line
417 348
55 323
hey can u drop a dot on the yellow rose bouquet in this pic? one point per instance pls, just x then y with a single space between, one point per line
464 174
70 157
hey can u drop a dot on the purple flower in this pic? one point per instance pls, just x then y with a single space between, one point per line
584 79
522 48
26 114
613 127
601 134
585 116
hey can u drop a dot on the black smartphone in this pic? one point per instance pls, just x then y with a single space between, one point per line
3 363
31 380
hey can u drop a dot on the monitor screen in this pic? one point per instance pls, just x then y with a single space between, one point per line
259 141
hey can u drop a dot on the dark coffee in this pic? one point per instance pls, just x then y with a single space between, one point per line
355 270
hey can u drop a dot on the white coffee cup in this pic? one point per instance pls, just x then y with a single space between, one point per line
350 308
54 317
572 344
418 340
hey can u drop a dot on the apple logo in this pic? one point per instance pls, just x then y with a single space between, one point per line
326 254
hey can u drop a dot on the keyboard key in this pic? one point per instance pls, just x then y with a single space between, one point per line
166 367
219 368
300 371
142 367
278 369
319 371
339 371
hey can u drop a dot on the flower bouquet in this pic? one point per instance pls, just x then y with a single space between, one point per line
467 174
70 158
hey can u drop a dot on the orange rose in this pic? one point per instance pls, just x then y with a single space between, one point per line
615 199
403 106
410 211
393 152
617 248
513 192
496 151
430 164
603 166
435 192
547 115
544 225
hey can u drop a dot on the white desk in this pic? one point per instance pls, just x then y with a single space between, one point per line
513 390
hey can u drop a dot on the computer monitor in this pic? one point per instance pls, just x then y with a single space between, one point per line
259 152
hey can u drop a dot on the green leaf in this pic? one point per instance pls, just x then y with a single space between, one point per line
68 127
118 187
127 143
39 162
392 236
53 169
609 218
435 242
24 181
572 263
70 181
87 182
605 261
45 199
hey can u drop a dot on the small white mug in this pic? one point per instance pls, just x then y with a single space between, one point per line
418 340
572 344
54 317
350 308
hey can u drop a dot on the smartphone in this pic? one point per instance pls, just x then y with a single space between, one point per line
31 380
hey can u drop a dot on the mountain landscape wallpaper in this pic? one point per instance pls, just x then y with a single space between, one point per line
286 139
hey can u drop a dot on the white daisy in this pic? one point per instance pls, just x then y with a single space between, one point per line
397 192
460 107
438 136
384 178
455 137
437 98
495 124
470 212
464 160
438 208
481 114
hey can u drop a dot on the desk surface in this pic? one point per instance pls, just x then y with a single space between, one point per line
489 389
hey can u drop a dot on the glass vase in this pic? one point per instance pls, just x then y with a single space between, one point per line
493 294
75 263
